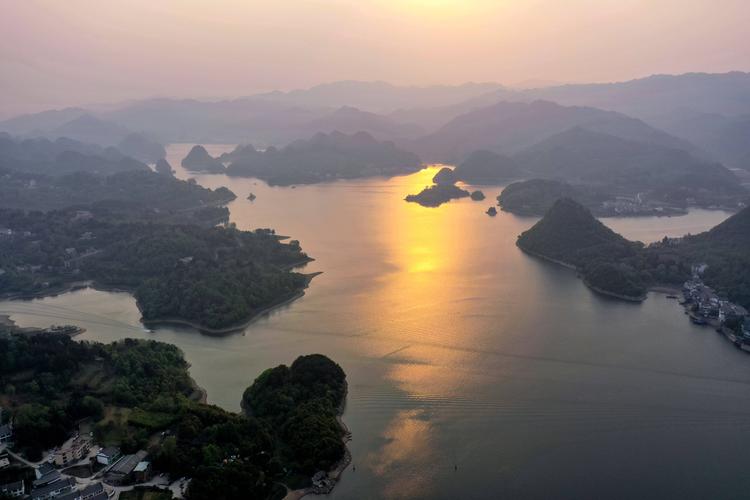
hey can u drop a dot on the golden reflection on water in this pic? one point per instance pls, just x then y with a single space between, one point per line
407 436
422 245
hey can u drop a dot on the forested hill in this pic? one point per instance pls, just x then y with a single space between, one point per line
726 251
215 278
138 395
609 263
571 234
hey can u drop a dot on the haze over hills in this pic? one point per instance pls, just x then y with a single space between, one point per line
509 127
723 93
703 113
62 156
324 157
725 137
582 156
380 97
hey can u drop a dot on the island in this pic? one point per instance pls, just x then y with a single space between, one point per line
477 195
215 279
570 235
492 211
198 160
434 196
137 401
324 157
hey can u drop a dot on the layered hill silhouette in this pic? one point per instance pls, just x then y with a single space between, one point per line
62 156
509 127
324 157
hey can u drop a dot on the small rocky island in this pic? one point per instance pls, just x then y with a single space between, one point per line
443 191
434 196
492 211
198 160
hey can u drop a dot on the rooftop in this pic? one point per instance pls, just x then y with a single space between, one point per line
128 463
44 491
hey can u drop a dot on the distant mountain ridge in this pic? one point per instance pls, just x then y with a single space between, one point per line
380 97
508 127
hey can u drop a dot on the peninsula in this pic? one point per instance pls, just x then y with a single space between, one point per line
610 264
214 278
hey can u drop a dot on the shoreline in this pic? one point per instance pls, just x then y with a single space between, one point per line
338 469
660 288
82 285
238 327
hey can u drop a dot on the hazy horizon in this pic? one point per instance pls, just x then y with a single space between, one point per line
81 53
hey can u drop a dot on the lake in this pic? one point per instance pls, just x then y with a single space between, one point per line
475 371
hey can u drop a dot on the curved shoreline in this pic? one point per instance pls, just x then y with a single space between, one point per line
338 469
234 328
601 291
81 285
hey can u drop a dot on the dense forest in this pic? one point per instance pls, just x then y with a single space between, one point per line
134 390
51 381
215 277
288 432
570 234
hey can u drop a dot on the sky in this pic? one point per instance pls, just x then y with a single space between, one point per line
58 53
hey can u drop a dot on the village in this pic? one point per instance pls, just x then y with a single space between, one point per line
79 470
705 307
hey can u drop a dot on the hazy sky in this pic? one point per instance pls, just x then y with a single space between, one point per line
67 52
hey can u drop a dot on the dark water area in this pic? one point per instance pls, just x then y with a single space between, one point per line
475 371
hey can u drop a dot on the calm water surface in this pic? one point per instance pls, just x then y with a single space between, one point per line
463 352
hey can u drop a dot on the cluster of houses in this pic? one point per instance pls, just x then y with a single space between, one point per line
125 469
706 307
50 484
